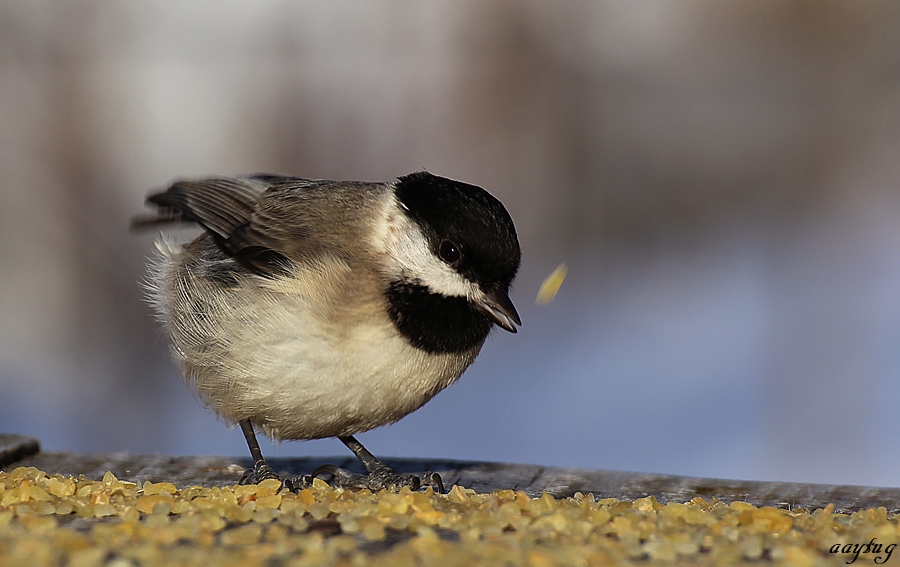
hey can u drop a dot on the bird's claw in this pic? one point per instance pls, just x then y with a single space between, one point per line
434 480
379 479
297 483
259 472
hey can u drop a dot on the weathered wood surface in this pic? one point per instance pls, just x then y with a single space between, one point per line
16 447
560 482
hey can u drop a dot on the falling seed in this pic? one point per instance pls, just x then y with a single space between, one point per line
552 284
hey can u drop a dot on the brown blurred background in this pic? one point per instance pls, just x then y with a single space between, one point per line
721 177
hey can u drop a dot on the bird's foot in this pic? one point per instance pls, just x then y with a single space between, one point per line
298 483
259 472
382 477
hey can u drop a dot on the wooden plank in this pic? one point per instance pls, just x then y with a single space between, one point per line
16 447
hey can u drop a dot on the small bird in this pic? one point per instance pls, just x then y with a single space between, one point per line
311 308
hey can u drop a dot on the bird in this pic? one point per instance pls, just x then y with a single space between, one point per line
311 308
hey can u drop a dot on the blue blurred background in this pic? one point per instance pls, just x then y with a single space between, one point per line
721 178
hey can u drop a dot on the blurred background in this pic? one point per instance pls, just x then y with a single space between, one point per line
721 178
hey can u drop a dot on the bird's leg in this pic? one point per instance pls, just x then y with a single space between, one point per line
260 470
380 475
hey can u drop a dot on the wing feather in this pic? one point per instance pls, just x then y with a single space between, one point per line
269 222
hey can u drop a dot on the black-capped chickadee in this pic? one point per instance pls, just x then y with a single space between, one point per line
314 308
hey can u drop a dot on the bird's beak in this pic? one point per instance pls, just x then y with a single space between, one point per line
497 306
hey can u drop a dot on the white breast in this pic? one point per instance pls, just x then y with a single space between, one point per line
310 356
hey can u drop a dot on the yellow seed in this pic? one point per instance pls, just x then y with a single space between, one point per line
273 501
202 503
646 504
192 492
456 494
88 557
84 510
551 285
268 487
795 556
555 522
226 498
698 501
146 503
306 497
373 531
11 497
276 533
130 514
752 546
742 506
543 505
318 511
238 514
264 516
24 510
243 535
59 487
292 506
43 507
523 500
432 517
157 521
38 524
104 510
660 550
181 507
158 488
540 558
99 498
244 489
770 519
885 533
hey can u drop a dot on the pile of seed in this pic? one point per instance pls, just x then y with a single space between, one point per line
57 520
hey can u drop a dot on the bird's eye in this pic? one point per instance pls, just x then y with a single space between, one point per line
448 252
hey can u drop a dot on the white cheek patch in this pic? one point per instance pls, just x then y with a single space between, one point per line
411 258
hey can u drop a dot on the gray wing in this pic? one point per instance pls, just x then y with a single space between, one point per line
267 222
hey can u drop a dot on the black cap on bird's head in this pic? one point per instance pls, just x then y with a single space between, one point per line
470 230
